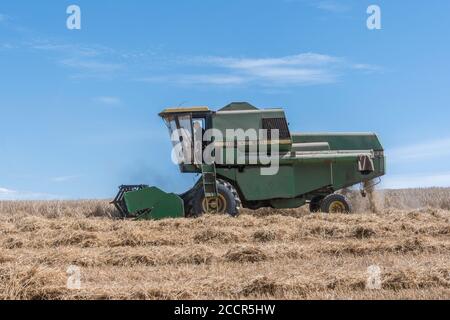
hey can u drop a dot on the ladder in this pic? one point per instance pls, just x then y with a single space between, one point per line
210 187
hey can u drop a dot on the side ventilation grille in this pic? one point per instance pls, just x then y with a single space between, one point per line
276 123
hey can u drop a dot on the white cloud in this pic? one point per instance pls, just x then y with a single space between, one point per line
325 5
71 49
95 61
416 180
219 79
306 68
8 194
366 67
67 49
111 101
300 69
64 178
332 6
89 61
92 66
431 153
189 79
304 59
294 75
424 150
4 191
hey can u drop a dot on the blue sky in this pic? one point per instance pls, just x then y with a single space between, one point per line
78 107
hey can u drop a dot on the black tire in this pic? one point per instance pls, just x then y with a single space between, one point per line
314 205
228 200
336 203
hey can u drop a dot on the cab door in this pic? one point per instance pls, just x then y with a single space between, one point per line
180 129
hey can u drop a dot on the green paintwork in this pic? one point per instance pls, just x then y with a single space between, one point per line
341 141
238 106
154 203
246 119
300 177
311 164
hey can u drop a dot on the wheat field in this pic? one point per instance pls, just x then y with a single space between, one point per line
263 254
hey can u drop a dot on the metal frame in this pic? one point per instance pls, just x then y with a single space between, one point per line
119 201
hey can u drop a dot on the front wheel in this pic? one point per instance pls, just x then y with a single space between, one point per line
228 201
336 203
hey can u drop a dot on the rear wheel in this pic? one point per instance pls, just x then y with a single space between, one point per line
228 201
336 203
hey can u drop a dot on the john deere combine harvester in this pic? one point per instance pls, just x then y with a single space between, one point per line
311 166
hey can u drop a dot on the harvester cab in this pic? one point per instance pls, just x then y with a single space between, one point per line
187 127
310 167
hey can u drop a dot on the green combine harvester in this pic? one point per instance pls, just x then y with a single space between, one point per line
310 167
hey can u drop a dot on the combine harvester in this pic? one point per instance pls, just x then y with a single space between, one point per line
311 167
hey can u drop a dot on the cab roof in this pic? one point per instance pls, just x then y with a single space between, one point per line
169 111
238 106
231 108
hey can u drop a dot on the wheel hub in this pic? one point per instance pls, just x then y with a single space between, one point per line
337 207
212 205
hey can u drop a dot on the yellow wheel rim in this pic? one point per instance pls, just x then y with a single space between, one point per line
337 207
211 204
